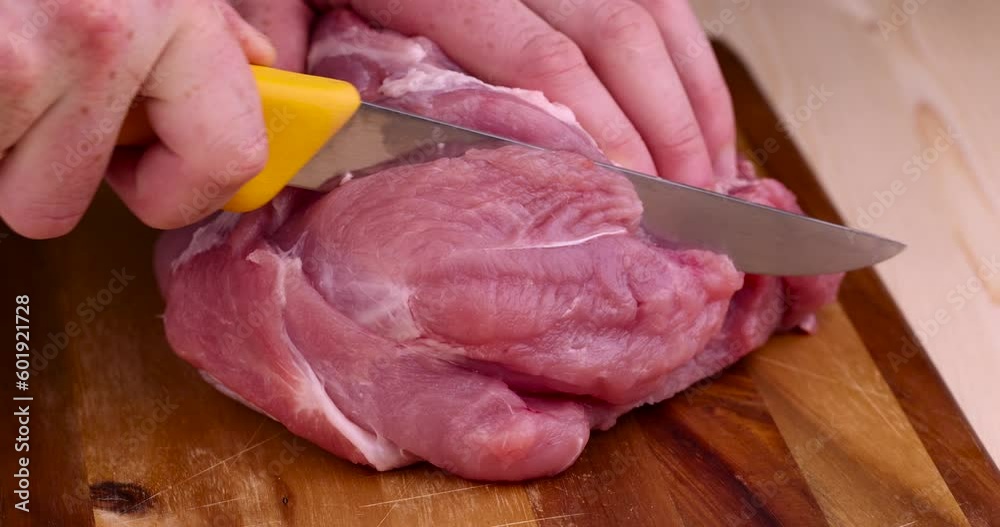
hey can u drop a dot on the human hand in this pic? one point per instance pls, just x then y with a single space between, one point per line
639 74
70 70
286 23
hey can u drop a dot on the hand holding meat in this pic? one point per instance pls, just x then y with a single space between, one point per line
69 72
639 74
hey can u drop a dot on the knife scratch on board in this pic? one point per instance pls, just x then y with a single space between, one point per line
213 466
871 403
539 520
254 435
432 494
387 513
814 375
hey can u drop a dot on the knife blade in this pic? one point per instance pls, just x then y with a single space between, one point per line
319 130
759 239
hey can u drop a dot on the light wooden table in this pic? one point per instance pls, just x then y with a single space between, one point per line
905 145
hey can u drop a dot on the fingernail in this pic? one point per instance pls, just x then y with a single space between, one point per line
264 53
622 161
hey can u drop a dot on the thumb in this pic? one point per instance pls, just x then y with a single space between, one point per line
256 46
287 24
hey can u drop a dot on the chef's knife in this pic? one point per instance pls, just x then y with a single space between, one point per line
319 131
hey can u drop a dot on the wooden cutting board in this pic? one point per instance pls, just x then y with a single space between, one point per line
851 426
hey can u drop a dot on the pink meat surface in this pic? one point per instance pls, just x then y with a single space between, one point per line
482 312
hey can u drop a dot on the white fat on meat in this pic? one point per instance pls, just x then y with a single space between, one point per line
207 237
312 397
427 77
562 243
412 52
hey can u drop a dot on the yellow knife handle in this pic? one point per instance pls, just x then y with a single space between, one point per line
301 113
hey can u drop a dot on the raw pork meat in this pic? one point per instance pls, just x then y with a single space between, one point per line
483 312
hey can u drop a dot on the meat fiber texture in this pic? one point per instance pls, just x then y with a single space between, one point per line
483 312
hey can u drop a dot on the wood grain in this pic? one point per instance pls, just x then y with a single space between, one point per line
811 430
913 107
957 452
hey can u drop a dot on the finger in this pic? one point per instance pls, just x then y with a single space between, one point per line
702 78
521 50
286 24
205 109
27 88
257 47
48 179
623 44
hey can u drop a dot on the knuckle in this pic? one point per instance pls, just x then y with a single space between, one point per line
682 140
618 133
251 156
22 72
551 55
102 25
247 157
44 218
622 142
625 21
233 161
